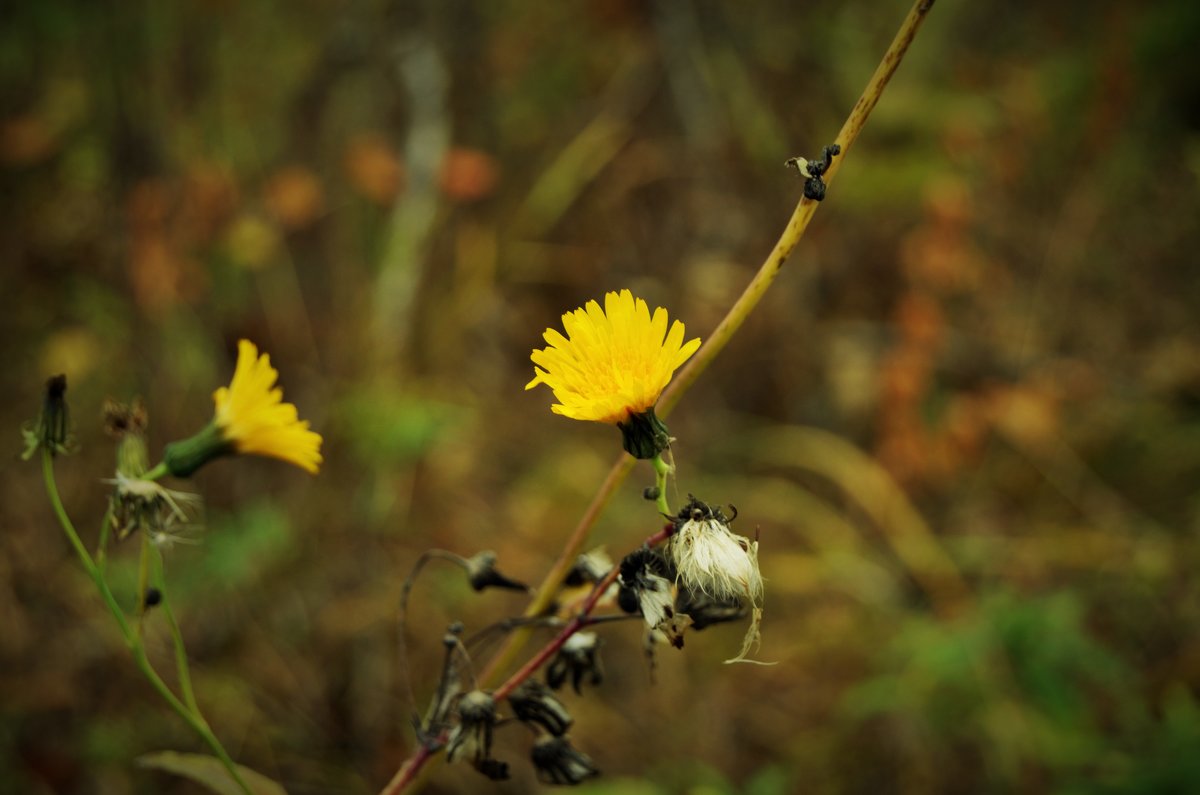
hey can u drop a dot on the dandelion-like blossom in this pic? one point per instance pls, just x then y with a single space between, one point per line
612 365
251 418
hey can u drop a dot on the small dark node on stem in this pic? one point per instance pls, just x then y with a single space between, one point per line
813 170
650 493
153 597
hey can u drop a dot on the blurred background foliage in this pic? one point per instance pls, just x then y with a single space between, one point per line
965 423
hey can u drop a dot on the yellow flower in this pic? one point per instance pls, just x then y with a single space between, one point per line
251 418
613 363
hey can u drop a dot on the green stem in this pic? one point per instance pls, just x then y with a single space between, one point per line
181 661
661 470
88 564
143 583
132 639
157 472
102 545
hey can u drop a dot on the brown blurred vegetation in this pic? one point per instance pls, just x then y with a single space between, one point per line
965 422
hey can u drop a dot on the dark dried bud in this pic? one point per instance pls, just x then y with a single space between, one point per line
590 567
153 597
814 170
558 762
533 703
651 493
482 573
121 418
644 572
51 430
127 424
471 739
706 610
578 658
493 769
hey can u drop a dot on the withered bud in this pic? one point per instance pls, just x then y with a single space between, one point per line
482 573
645 586
471 739
121 418
578 658
590 567
533 703
706 610
558 762
493 769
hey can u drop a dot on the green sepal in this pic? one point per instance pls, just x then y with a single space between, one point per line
185 457
644 435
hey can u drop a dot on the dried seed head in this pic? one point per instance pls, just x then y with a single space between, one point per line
579 658
471 739
138 505
711 559
558 762
714 562
646 587
533 703
590 567
482 573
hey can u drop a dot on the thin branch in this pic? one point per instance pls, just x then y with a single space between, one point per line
715 343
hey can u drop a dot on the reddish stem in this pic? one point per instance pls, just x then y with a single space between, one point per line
580 620
409 770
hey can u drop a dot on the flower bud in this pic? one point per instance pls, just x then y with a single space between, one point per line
51 430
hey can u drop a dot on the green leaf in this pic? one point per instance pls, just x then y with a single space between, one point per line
209 771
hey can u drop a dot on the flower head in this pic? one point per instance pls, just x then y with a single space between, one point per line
251 418
138 504
252 415
614 362
713 561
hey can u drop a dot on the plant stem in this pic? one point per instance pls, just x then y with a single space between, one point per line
411 768
578 622
661 470
716 342
143 583
798 223
566 559
102 544
181 661
133 639
724 331
157 472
